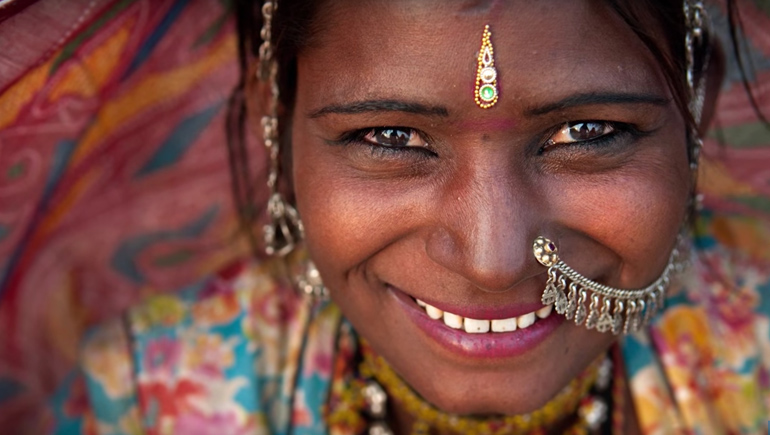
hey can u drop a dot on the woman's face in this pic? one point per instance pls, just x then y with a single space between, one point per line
408 190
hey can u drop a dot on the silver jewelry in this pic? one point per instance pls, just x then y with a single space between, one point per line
598 306
309 282
285 229
376 407
696 20
696 23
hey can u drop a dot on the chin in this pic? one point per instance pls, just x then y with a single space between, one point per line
499 404
498 392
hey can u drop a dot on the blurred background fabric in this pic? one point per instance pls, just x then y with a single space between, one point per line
114 179
735 172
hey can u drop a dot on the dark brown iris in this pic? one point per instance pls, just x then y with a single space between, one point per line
586 130
392 137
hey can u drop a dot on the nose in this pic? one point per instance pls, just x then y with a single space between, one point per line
485 227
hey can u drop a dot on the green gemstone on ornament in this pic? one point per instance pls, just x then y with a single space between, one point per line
487 93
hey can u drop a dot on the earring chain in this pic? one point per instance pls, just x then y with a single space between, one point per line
285 228
696 22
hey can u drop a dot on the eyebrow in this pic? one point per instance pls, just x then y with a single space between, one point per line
369 106
598 98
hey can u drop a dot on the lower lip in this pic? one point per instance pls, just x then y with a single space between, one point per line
483 346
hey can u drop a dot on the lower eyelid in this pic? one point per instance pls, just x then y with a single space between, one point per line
396 150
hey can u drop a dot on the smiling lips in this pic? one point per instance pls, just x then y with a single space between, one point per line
481 326
485 332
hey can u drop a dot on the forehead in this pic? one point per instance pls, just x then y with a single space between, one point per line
427 50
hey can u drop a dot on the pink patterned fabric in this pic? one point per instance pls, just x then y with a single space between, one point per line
114 180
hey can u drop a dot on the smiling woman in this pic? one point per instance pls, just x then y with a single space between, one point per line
584 146
483 207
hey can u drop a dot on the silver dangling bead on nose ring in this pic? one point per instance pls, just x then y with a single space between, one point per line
598 306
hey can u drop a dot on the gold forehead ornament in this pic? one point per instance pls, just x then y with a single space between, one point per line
486 92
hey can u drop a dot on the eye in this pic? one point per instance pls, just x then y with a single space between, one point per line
395 137
581 131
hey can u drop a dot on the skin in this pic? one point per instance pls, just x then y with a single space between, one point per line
455 224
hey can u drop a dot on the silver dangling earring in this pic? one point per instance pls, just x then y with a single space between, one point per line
609 309
285 229
697 21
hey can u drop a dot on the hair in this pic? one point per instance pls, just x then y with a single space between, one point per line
659 24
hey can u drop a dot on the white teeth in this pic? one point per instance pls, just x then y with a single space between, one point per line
433 312
473 326
480 326
544 312
453 320
504 325
526 320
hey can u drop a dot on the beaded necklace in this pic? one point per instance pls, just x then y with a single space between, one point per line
363 385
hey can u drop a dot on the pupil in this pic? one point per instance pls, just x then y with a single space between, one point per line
392 137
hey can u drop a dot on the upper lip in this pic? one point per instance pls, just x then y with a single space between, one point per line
502 311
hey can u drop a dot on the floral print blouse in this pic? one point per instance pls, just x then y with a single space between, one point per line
242 354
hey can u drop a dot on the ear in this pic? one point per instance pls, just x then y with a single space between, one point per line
715 73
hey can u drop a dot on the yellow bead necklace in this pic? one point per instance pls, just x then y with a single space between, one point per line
361 405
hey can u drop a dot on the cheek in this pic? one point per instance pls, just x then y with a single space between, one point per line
636 214
347 218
